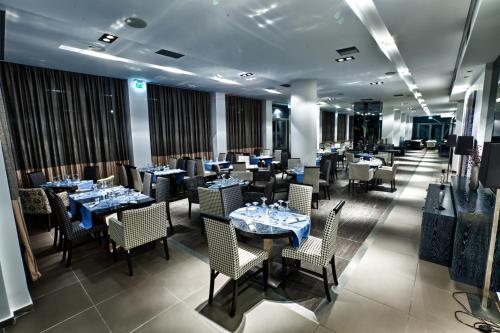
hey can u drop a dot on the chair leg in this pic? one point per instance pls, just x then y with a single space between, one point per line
115 255
265 273
129 263
61 240
284 271
65 248
235 298
334 271
212 281
56 234
189 213
165 247
70 253
170 220
328 192
325 283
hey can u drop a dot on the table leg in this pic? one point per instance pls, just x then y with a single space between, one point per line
268 247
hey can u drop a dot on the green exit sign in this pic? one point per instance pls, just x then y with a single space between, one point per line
139 84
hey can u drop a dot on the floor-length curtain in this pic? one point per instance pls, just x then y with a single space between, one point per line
243 124
341 127
61 121
179 123
328 126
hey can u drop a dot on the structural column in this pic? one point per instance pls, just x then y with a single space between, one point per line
218 123
396 128
388 125
347 135
139 135
267 125
304 120
336 129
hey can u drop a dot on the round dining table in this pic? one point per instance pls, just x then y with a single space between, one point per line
268 224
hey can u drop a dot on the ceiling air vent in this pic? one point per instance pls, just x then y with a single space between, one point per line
348 50
367 99
398 95
286 85
170 54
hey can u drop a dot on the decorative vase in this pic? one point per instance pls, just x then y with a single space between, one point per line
474 181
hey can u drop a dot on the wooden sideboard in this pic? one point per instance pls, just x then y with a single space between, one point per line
466 221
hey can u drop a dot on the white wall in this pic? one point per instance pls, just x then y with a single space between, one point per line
482 125
14 294
304 121
139 124
267 124
218 123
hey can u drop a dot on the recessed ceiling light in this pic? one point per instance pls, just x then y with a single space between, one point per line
246 74
250 78
135 22
344 59
376 83
108 38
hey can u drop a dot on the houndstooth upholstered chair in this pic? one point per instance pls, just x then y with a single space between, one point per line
232 198
300 197
138 227
34 201
210 201
318 251
228 257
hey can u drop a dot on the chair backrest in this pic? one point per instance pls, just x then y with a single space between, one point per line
190 168
222 157
232 198
300 198
36 178
245 159
262 176
222 245
311 177
144 225
359 171
325 170
266 152
277 155
136 179
147 184
61 214
257 151
181 164
192 185
162 189
284 159
200 168
34 201
122 175
239 166
91 173
243 175
130 178
230 157
293 163
349 157
210 201
106 181
172 163
329 239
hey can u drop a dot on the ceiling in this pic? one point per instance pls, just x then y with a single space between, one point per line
278 41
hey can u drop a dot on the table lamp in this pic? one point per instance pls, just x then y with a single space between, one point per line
451 141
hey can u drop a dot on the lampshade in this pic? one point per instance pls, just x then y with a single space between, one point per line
489 171
464 145
451 140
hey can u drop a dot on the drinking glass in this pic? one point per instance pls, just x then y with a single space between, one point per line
263 201
247 205
286 205
280 202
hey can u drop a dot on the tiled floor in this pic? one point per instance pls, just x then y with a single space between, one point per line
383 287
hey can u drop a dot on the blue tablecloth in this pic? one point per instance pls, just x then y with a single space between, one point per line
226 183
255 159
364 156
86 202
274 222
80 185
222 164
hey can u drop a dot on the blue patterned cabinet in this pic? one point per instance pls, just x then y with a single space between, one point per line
438 227
474 211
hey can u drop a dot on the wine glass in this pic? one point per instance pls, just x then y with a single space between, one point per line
280 203
247 205
286 205
263 201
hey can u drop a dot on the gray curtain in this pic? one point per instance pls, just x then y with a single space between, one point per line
328 126
179 123
341 127
243 123
61 121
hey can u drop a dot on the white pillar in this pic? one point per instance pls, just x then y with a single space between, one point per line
218 123
304 121
336 129
347 134
14 294
483 114
387 125
139 124
267 125
402 128
396 128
